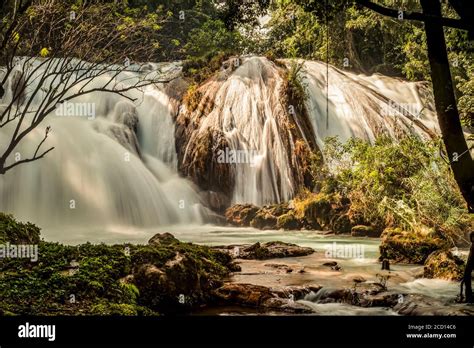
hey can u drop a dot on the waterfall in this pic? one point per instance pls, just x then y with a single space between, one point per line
119 165
247 109
246 105
349 105
115 166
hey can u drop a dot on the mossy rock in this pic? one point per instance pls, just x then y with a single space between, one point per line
364 231
288 221
408 247
276 209
15 232
104 279
177 276
341 224
272 250
315 210
241 214
264 220
443 264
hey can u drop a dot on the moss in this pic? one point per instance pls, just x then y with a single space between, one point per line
408 247
16 232
264 220
288 221
241 214
314 209
444 265
192 98
101 279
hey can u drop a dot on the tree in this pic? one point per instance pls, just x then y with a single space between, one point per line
74 46
467 278
445 100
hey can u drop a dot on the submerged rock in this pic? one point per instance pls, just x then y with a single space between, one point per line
268 250
444 265
262 297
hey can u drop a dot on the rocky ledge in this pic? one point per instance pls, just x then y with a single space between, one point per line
321 212
265 251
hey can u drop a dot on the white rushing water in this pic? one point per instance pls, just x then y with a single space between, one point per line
248 110
103 173
246 105
349 105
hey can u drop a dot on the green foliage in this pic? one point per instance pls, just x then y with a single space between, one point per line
211 38
392 183
296 88
98 279
16 232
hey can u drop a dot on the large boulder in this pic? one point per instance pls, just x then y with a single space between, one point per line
364 231
315 211
268 250
341 223
267 217
264 220
171 275
408 247
444 264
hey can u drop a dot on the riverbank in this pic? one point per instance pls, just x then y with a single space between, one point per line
308 272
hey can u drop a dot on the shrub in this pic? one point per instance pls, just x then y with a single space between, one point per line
401 183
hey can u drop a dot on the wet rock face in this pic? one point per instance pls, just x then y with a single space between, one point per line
262 297
240 108
408 247
198 157
444 265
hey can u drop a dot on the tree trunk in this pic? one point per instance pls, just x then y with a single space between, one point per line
468 273
445 102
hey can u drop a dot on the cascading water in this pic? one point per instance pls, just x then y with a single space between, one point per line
348 105
248 111
117 167
120 166
246 106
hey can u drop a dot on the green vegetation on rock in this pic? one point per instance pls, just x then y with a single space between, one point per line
104 279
